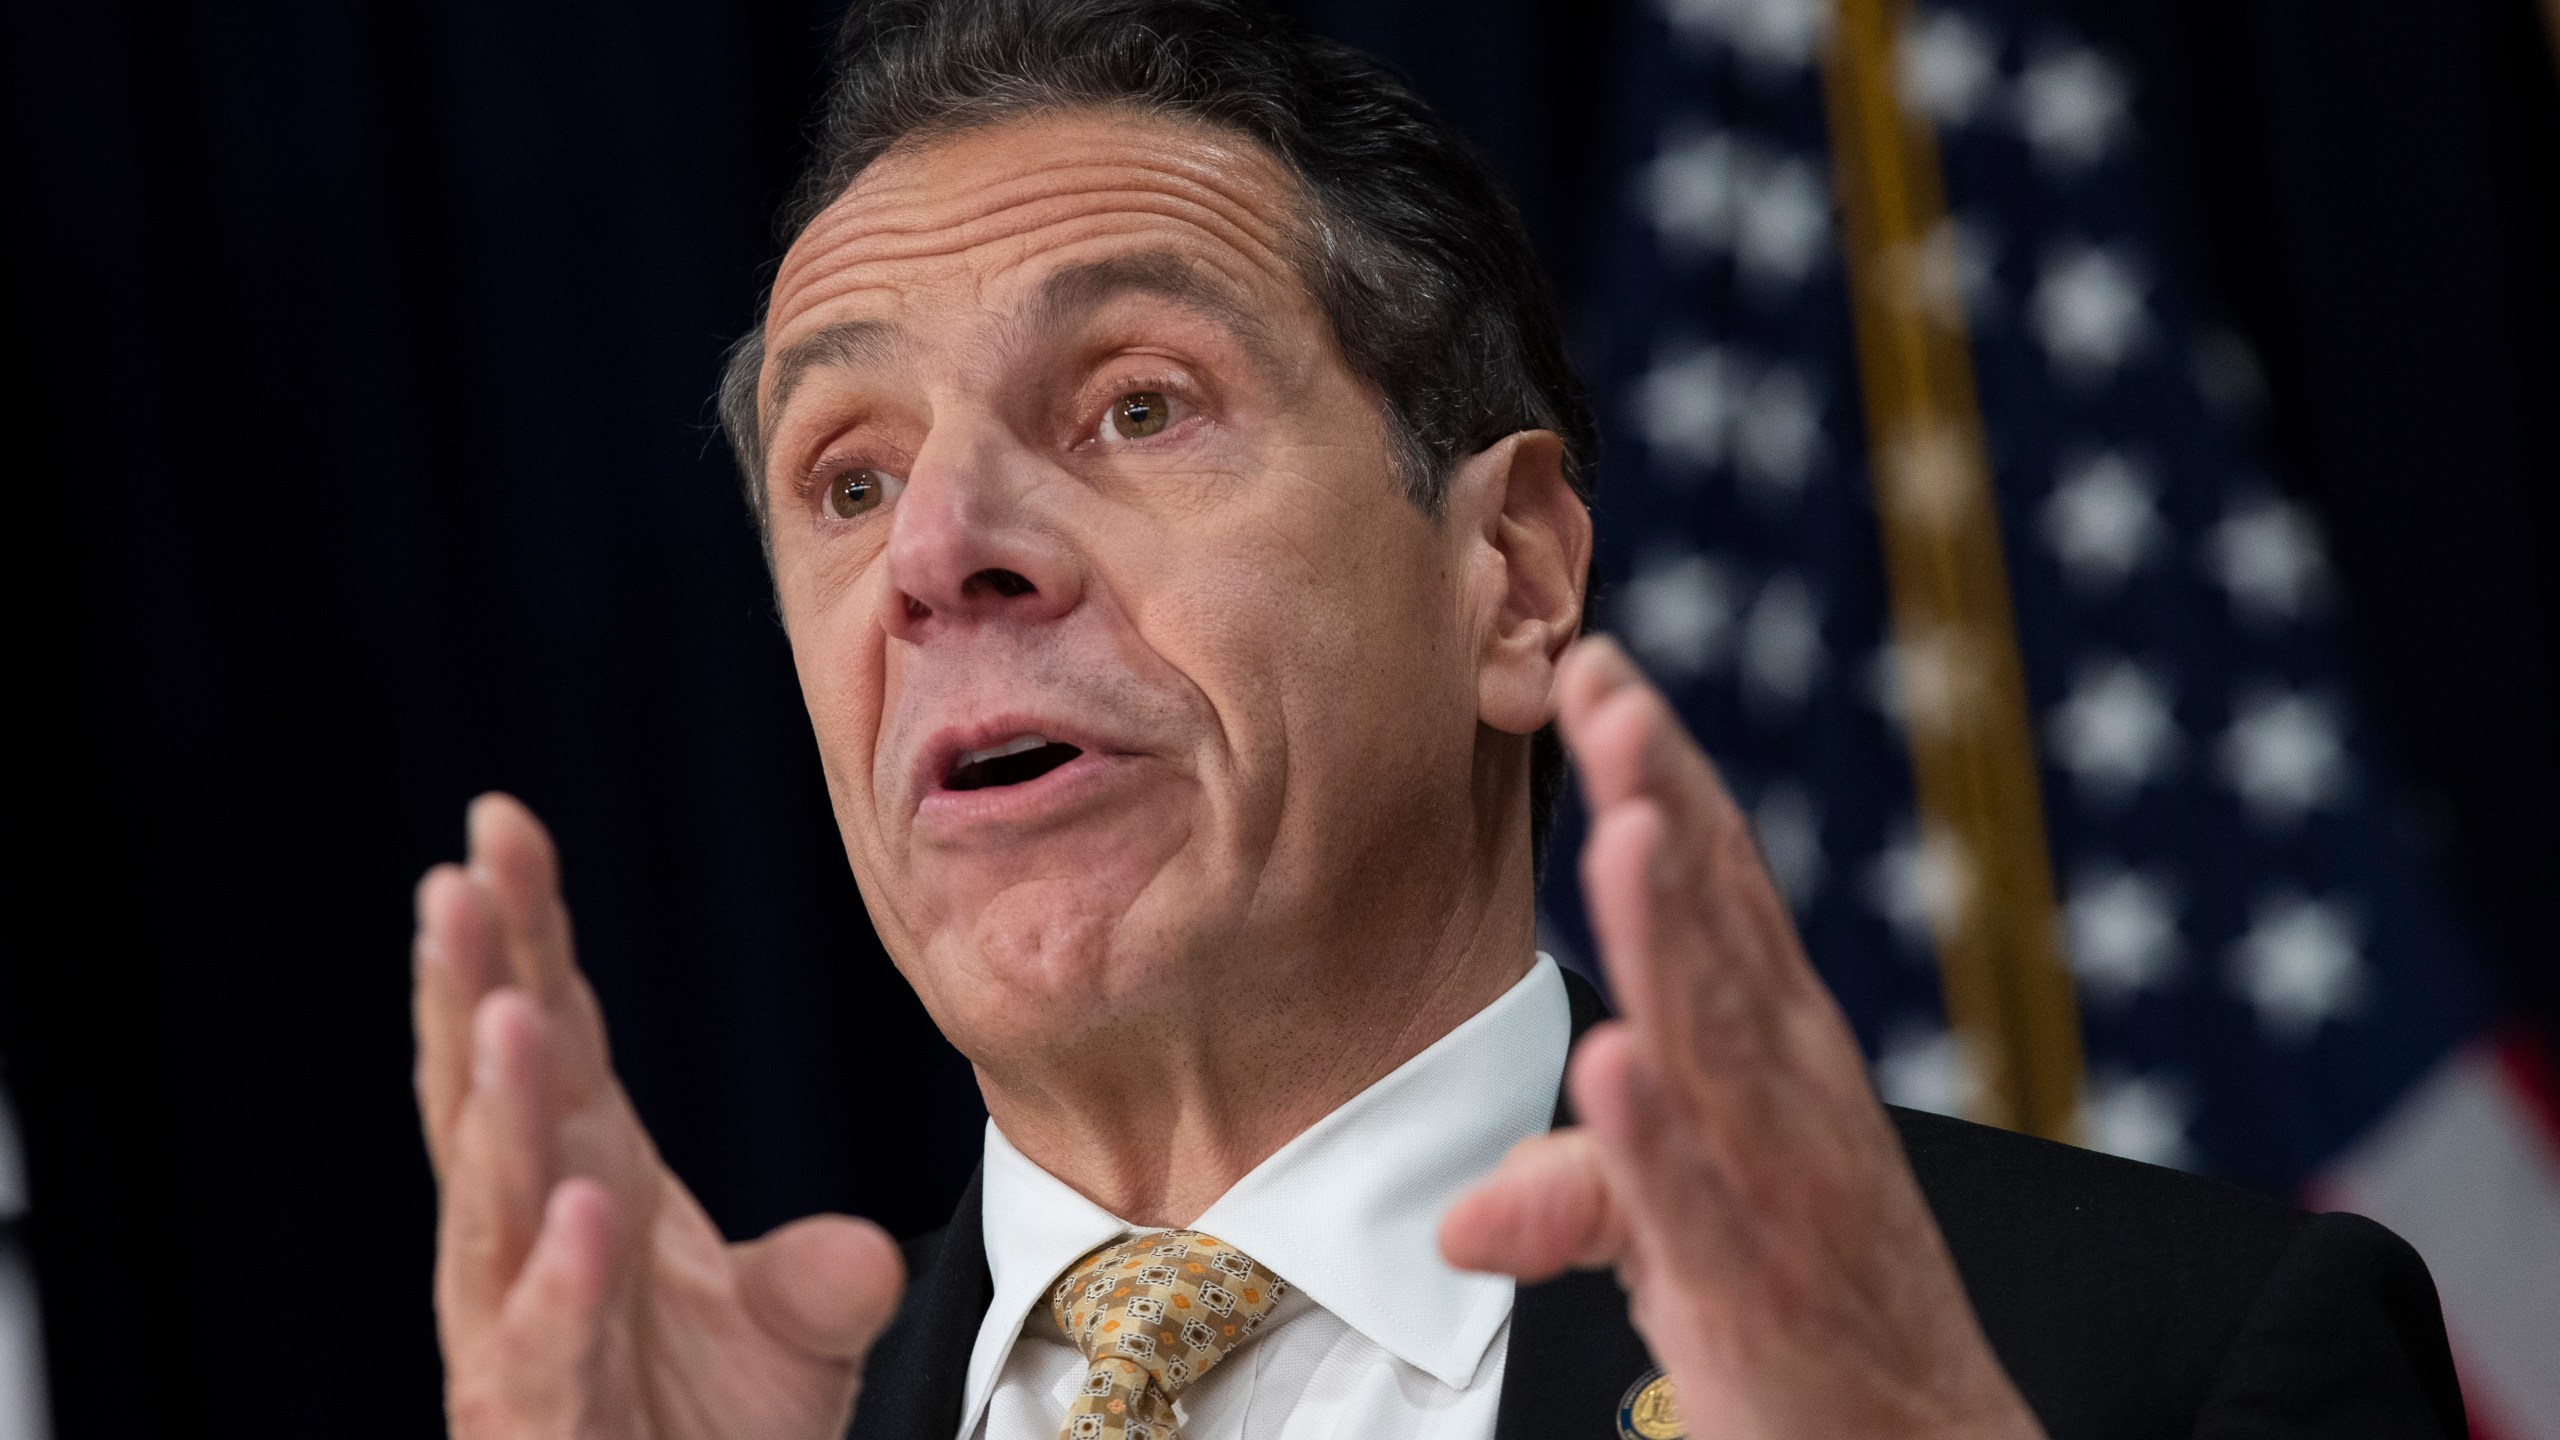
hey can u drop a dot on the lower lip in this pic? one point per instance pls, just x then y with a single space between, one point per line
1052 796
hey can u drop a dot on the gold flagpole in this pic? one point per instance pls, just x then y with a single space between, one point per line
1963 700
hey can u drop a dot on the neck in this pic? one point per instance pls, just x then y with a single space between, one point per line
1156 1131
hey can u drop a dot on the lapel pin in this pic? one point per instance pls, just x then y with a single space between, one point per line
1649 1411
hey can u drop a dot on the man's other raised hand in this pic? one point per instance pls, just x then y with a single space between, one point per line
1732 1164
580 1290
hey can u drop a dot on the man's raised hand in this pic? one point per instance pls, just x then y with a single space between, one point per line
1731 1164
580 1291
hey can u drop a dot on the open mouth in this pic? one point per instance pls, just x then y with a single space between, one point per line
1017 761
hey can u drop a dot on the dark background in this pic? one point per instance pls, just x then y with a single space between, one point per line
363 462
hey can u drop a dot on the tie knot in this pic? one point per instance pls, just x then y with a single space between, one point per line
1152 1314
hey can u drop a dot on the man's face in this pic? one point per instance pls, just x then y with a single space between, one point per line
1138 682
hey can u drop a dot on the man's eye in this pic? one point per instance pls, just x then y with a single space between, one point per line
854 492
1136 415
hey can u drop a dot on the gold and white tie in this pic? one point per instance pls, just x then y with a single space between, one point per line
1152 1314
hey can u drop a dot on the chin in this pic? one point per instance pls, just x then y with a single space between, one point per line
1048 961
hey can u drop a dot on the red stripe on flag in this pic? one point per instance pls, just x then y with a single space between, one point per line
2477 1409
2524 1055
2466 1167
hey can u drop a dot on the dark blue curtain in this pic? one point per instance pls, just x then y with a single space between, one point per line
364 462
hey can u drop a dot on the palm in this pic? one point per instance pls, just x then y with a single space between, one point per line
707 1365
581 1291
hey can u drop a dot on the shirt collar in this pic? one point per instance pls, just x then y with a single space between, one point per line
1036 1225
1348 1212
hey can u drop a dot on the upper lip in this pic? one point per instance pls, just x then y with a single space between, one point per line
943 749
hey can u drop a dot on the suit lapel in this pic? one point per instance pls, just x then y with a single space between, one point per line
1574 1354
913 1379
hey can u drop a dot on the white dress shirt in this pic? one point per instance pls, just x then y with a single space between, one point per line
1379 1338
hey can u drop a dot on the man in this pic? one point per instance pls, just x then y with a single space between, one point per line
1174 490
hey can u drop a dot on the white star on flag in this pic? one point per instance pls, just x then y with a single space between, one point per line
2116 731
1677 613
2284 754
1778 434
1923 1066
2301 964
2072 104
1928 468
2266 554
2088 311
1690 191
1946 66
1977 256
1920 883
2139 1117
1784 225
1774 33
2104 520
1789 827
1782 650
1712 192
1926 683
1685 405
2124 932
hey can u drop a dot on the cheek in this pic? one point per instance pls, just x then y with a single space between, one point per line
840 656
1322 635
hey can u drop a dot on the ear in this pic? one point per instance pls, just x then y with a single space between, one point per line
1527 543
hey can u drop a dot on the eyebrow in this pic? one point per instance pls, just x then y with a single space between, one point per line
855 344
1079 289
1061 299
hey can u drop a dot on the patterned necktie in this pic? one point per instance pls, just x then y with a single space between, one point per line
1152 1314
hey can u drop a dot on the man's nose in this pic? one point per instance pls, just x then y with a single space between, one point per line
967 544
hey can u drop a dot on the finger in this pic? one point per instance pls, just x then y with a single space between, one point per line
1674 1201
454 962
502 1158
1626 740
1676 974
1698 949
1545 1209
826 1285
552 1327
1630 748
1619 888
512 855
1593 669
1712 998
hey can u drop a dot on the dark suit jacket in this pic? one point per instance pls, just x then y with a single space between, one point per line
2124 1299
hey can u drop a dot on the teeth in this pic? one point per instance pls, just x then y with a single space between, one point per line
1014 746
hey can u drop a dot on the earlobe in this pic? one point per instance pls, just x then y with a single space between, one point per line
1539 533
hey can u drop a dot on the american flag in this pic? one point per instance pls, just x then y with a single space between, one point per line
2270 988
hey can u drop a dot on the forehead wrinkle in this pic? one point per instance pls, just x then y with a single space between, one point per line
1015 234
1031 160
893 218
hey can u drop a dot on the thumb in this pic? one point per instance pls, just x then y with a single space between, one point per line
826 1285
1543 1210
